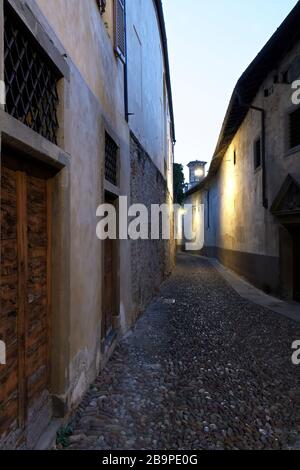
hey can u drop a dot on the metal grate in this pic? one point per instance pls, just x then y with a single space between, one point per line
295 129
30 79
111 160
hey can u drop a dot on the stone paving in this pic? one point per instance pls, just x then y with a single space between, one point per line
203 369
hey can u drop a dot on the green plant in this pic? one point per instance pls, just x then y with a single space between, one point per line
63 436
178 183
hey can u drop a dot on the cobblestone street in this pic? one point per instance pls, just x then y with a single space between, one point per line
203 369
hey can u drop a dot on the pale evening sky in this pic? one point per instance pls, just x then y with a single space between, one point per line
211 42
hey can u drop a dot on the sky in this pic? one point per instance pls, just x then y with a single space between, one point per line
211 43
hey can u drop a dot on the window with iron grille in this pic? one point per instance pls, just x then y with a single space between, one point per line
120 29
30 79
294 128
111 160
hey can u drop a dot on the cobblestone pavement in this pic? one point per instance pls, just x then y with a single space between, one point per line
210 371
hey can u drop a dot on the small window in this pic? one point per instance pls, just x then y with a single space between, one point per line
120 29
257 154
111 160
234 157
294 128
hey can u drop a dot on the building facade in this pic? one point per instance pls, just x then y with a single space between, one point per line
252 192
197 174
87 118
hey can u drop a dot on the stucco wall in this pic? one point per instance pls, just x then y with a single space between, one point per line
93 105
238 218
241 232
147 92
94 102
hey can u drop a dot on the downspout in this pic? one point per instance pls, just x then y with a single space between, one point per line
127 114
265 201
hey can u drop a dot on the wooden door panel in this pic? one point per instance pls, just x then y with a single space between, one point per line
9 392
37 322
109 291
25 295
296 237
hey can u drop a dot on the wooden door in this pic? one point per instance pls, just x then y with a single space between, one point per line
10 313
25 300
110 290
296 238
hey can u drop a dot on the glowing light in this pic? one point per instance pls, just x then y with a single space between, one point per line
199 172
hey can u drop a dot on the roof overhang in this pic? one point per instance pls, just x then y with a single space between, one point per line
247 87
163 33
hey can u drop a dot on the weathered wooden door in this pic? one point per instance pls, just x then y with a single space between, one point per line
25 301
296 237
110 291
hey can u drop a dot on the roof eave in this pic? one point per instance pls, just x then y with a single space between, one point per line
162 27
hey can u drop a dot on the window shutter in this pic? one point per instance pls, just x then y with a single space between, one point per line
120 29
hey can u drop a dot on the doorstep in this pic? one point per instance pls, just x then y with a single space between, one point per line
48 438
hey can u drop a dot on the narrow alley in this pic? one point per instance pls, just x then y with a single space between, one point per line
203 369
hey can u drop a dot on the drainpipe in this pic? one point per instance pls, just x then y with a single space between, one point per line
127 114
265 201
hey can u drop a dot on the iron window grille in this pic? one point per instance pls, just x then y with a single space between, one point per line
294 128
111 160
30 79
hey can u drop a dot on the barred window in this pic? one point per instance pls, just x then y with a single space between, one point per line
120 29
294 128
111 160
30 79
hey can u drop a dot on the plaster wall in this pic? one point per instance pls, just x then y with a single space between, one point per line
93 103
240 230
93 107
148 102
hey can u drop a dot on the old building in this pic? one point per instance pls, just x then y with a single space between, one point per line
252 192
88 117
197 174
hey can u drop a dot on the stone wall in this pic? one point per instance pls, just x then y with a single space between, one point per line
151 260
